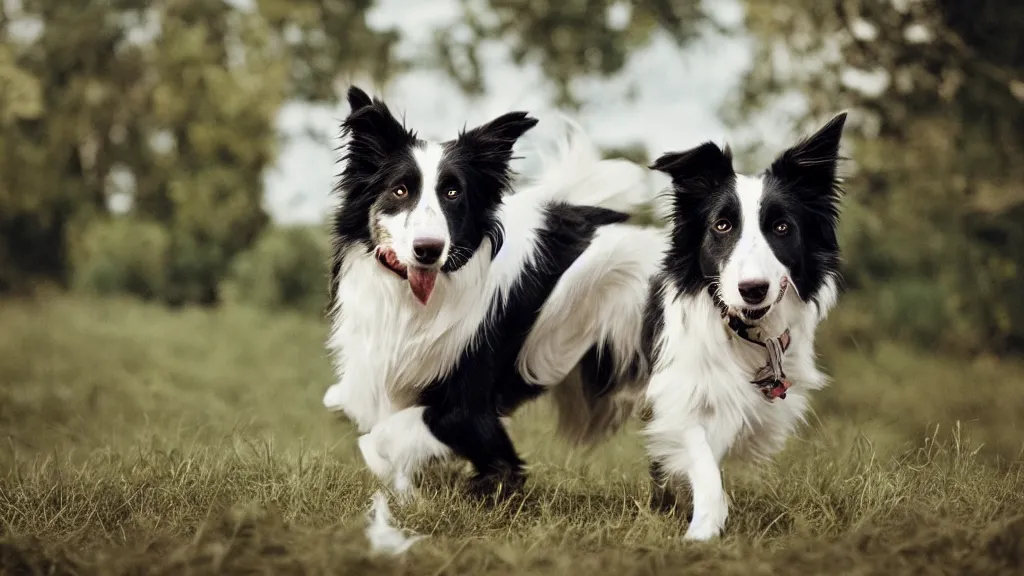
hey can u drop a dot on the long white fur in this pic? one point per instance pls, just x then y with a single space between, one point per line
599 300
387 346
704 406
576 174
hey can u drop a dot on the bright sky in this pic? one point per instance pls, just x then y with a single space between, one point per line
677 98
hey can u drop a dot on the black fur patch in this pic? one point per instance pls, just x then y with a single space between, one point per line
463 410
654 321
379 158
803 180
476 165
703 183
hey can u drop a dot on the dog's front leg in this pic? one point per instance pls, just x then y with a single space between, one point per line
689 453
397 448
357 395
710 508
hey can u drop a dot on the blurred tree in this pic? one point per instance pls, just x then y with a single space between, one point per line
52 112
568 38
168 110
121 256
933 229
327 40
210 133
21 105
635 152
284 269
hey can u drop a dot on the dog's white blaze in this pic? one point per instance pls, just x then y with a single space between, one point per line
752 258
427 221
387 347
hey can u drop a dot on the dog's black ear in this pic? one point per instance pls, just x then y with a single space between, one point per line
373 131
358 99
702 169
809 170
809 167
500 134
696 174
487 149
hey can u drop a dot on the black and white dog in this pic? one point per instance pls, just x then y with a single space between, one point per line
751 268
441 266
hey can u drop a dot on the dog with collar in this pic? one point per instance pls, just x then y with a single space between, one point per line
751 269
443 262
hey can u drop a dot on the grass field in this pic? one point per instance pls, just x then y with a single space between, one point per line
138 440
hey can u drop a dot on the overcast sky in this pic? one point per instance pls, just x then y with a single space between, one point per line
678 95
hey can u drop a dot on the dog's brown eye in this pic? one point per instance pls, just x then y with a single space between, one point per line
781 228
722 226
451 194
401 192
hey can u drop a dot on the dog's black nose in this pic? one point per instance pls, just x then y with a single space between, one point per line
753 291
427 250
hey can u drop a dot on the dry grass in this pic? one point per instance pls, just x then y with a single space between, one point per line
137 440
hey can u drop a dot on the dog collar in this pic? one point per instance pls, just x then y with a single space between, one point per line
770 379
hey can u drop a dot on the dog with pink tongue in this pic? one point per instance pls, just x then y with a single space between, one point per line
443 260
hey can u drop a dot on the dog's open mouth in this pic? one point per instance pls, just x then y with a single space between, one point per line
421 280
755 314
389 260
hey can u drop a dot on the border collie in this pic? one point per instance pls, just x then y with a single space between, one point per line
441 265
751 268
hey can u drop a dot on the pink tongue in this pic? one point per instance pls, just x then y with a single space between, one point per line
422 283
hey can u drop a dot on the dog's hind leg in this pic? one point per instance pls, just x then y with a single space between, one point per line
465 412
667 495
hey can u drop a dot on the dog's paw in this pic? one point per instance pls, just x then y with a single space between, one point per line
497 486
702 532
403 488
707 524
377 464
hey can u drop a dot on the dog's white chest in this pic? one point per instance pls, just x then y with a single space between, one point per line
705 377
388 347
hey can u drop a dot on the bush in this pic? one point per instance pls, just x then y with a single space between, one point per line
285 269
121 256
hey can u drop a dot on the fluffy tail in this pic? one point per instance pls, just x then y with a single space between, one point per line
597 398
576 174
586 341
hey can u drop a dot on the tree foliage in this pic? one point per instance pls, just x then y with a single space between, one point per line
285 269
165 111
121 256
167 108
567 38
